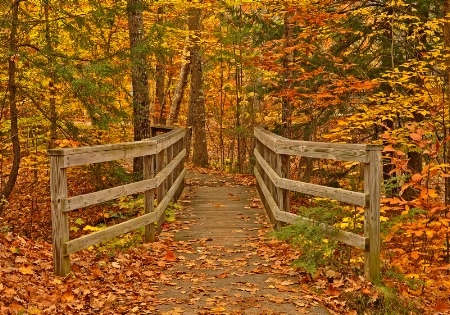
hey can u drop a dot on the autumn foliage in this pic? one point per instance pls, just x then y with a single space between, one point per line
338 71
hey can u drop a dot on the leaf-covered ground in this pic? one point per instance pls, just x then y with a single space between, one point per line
174 277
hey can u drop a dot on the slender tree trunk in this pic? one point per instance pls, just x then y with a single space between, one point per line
288 60
12 92
197 94
139 76
160 70
51 84
180 88
446 30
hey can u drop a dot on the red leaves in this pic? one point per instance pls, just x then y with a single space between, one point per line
170 256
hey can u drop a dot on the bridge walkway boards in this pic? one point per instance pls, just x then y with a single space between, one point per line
224 260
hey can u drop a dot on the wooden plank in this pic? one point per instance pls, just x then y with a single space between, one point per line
345 237
372 186
149 197
347 196
163 141
124 227
111 152
323 150
97 197
60 222
104 153
161 189
269 203
348 238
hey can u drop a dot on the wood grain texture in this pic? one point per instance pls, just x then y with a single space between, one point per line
110 152
372 186
149 197
348 238
347 196
322 150
124 227
345 237
60 222
97 197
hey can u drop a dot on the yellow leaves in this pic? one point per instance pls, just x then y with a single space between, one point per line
26 270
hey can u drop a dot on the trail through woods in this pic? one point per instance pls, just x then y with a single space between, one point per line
214 259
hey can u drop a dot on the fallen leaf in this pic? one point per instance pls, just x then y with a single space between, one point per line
115 265
26 270
16 307
441 307
67 296
170 256
332 291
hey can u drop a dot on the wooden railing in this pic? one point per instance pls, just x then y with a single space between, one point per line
163 174
273 153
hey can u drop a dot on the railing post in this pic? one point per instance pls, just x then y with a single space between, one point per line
161 190
372 186
283 170
149 197
60 220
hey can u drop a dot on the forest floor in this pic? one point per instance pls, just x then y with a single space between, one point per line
185 272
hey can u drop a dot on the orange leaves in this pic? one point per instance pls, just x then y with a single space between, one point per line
170 256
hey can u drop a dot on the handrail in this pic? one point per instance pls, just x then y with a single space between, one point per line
163 163
272 153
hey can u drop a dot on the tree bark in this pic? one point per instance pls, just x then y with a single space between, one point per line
180 88
197 95
12 93
160 71
288 60
139 76
51 84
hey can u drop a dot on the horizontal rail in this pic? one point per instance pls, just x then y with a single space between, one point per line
322 150
272 153
351 197
111 152
345 237
124 227
105 195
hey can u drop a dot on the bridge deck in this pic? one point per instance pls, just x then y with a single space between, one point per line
224 269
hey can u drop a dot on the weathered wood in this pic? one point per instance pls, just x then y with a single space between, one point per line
104 153
345 237
97 197
124 227
372 186
347 196
269 173
323 150
161 189
111 152
149 198
269 203
348 238
283 195
60 222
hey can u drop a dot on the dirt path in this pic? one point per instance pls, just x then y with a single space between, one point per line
227 265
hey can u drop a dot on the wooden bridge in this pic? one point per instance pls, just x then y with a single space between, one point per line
230 223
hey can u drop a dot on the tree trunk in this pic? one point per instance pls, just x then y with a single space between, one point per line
288 60
446 30
160 71
12 92
197 94
51 84
139 76
180 88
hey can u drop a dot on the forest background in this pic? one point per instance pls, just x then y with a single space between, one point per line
92 72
